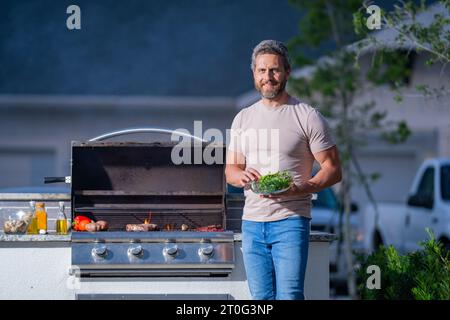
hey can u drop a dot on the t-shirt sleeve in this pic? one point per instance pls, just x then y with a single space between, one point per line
319 132
235 143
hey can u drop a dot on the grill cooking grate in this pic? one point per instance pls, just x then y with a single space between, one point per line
118 220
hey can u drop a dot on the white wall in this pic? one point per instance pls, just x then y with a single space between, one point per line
429 121
49 124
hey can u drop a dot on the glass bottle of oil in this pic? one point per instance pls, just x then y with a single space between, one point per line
41 216
32 227
61 220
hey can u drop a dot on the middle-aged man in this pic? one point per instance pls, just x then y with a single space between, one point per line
274 134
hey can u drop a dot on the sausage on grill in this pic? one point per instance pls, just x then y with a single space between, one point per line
142 227
210 228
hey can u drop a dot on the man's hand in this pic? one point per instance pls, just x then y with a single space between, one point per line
235 171
248 175
292 191
329 174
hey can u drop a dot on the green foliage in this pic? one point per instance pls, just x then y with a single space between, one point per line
322 18
315 25
375 176
428 92
359 22
420 275
376 118
398 98
301 86
368 178
391 67
325 22
398 135
432 38
335 80
274 181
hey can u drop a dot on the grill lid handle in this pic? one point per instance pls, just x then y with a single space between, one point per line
66 179
144 130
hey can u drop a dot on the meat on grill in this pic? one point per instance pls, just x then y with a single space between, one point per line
142 227
210 228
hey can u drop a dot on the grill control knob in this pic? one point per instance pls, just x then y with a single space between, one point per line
99 251
135 250
171 250
206 250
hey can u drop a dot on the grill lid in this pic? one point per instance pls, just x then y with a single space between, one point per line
122 182
129 168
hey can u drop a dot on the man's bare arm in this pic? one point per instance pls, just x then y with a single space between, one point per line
330 172
235 172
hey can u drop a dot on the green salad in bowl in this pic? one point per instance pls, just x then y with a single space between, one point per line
273 183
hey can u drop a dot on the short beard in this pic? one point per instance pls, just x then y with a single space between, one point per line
272 94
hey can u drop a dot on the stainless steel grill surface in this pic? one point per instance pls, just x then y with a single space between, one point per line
153 253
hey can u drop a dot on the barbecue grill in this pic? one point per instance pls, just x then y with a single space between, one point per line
132 183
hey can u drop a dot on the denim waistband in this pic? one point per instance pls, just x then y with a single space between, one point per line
293 217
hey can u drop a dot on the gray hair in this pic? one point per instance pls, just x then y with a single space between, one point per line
272 47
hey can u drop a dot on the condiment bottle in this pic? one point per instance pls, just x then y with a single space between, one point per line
32 227
61 220
41 216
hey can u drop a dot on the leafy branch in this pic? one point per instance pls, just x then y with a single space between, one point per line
415 32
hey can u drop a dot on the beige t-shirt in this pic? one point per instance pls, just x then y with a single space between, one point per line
274 139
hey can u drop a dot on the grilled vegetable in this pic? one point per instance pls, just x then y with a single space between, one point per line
81 226
76 224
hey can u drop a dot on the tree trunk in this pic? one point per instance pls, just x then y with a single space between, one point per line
346 196
348 250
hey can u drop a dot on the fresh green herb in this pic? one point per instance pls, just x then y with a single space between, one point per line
273 182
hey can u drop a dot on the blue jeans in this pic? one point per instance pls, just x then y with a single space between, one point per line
275 257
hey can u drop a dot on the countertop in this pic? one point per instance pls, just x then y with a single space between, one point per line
52 237
314 237
35 196
35 238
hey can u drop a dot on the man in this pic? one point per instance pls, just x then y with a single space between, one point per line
275 228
